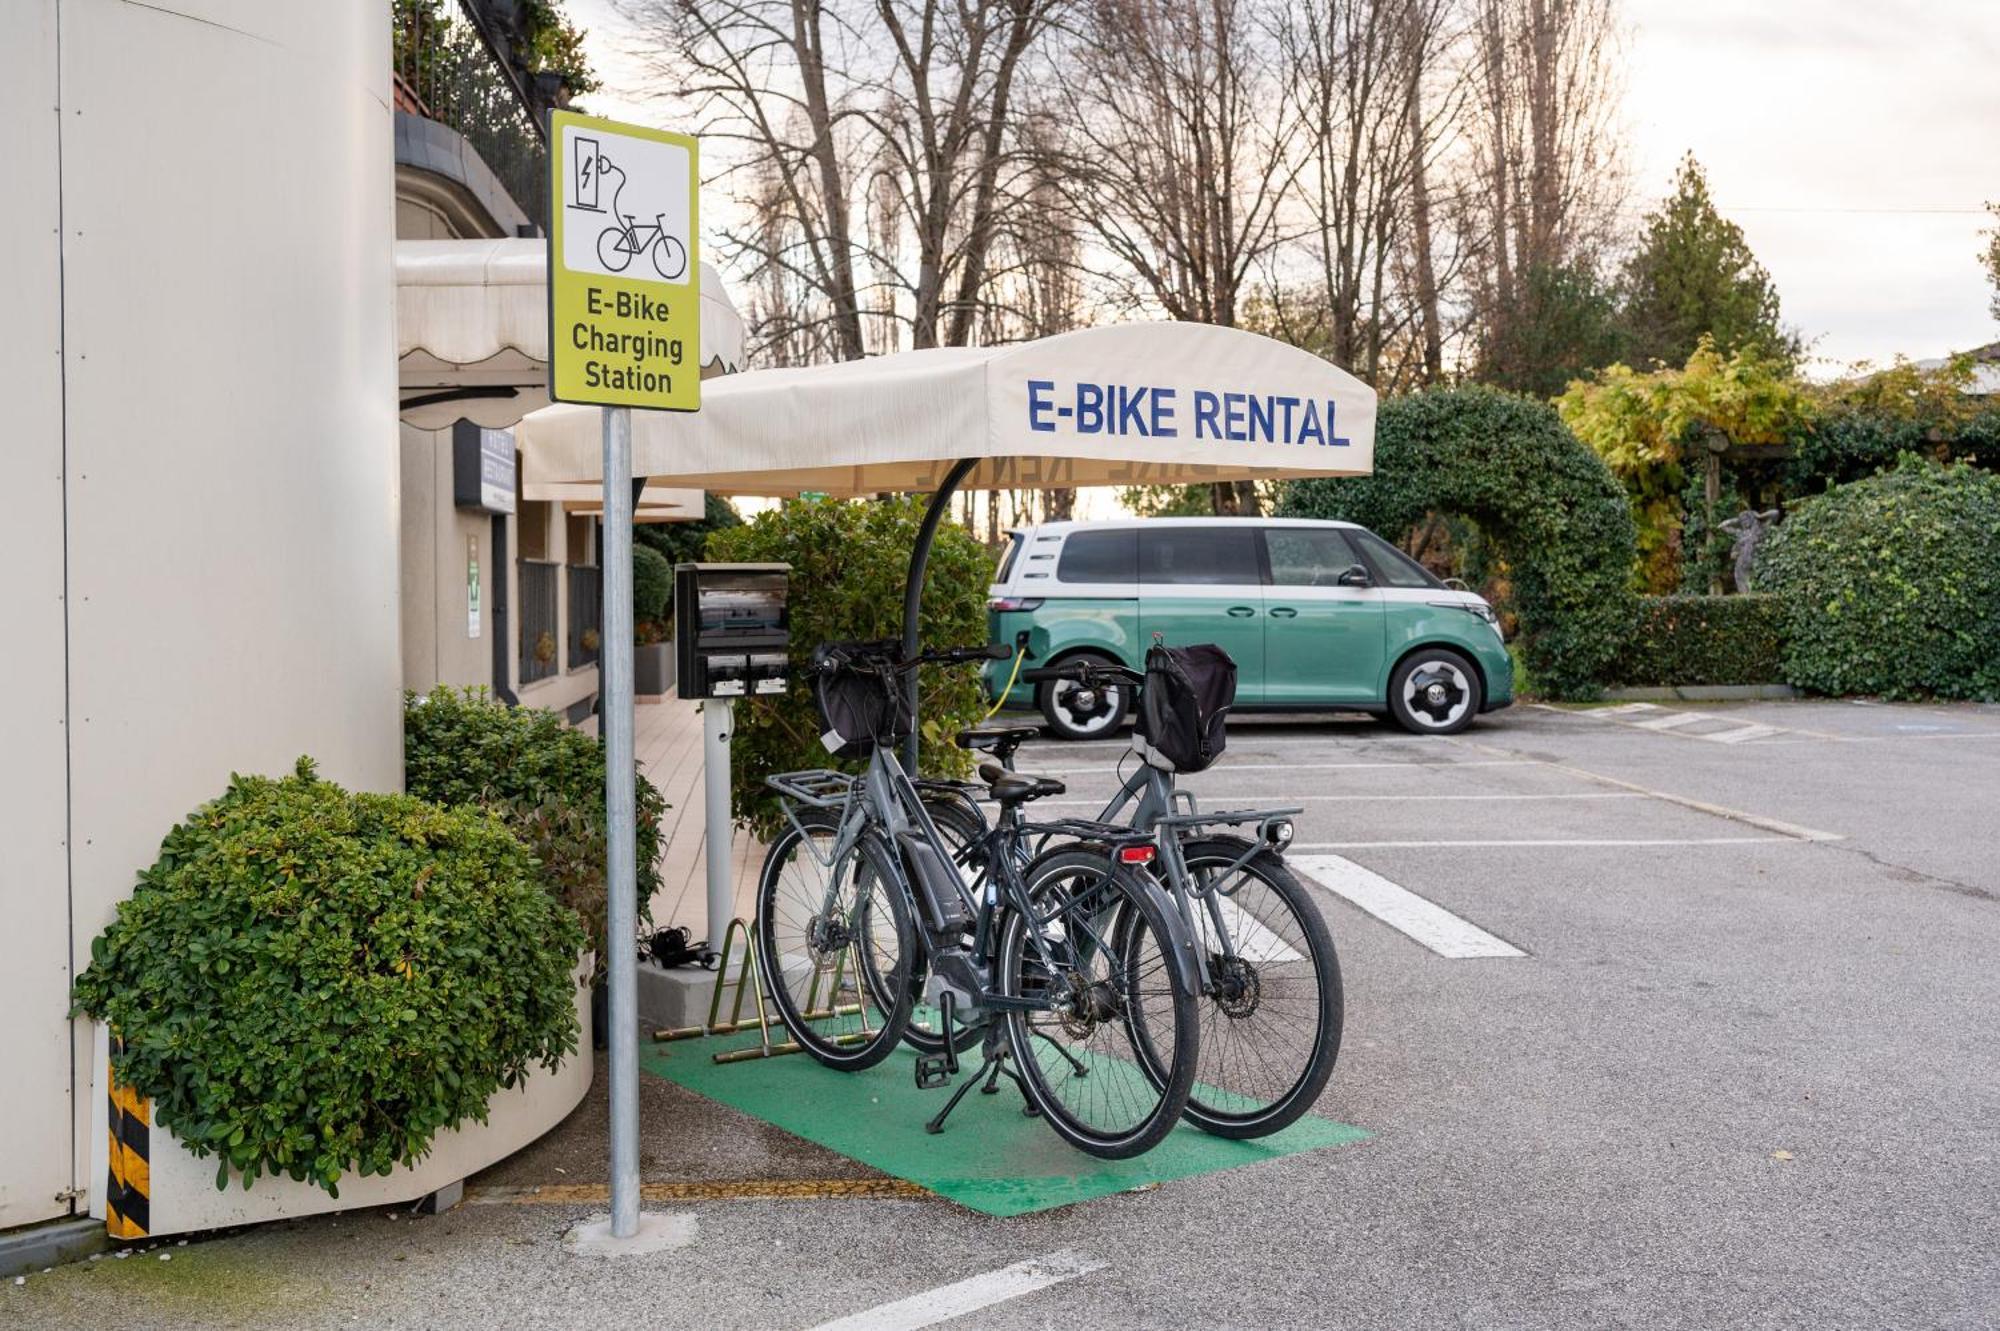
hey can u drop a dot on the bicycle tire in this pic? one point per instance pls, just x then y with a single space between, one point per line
841 1042
620 256
1083 919
1216 1104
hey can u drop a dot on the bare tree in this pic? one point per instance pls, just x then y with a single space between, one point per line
1545 155
1175 140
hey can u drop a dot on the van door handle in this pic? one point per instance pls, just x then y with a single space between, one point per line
1283 612
1241 611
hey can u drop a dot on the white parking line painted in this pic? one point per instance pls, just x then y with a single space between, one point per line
1742 733
969 1295
1237 798
1606 841
1227 766
1403 910
1671 720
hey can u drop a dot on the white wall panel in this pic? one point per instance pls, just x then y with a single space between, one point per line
35 1097
231 393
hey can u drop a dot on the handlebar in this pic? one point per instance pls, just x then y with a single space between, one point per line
885 658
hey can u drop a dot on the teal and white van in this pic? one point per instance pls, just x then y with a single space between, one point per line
1320 616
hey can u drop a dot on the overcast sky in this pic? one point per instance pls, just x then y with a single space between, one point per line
1853 140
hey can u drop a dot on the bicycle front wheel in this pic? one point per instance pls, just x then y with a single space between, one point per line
834 943
1271 1014
1094 986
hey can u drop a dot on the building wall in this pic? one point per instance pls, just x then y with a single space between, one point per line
225 443
35 1099
438 647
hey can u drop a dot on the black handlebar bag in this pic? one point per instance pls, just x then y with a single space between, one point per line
858 707
1189 691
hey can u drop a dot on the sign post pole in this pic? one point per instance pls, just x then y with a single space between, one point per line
717 716
624 332
621 916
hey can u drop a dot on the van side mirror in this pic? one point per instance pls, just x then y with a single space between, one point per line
1354 575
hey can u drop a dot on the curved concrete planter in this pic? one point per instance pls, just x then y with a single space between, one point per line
184 1196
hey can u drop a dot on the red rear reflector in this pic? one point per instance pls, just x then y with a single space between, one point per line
1135 854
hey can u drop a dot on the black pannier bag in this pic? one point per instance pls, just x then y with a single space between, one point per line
855 706
1189 691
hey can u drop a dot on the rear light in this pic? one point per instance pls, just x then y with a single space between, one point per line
1003 604
1135 854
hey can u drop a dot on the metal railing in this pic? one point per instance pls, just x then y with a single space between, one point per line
586 614
541 620
445 68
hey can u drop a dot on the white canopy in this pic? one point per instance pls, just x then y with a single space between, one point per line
657 503
1131 404
472 330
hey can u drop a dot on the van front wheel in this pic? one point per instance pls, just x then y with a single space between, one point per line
1075 712
1435 691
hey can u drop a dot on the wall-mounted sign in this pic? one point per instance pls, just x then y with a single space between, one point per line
482 468
472 586
624 281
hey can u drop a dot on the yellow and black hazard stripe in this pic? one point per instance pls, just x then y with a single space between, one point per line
128 1204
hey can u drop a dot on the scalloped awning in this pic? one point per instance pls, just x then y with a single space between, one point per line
472 330
1130 404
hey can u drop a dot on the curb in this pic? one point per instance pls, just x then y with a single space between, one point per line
1706 693
23 1251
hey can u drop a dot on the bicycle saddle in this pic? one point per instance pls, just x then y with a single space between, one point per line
1000 741
1011 788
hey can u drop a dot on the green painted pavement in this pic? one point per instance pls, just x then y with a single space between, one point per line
990 1157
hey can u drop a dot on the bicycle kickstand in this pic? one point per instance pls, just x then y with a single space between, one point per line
990 1072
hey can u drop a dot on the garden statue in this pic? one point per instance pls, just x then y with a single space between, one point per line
1748 527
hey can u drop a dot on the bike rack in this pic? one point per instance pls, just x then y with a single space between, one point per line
749 975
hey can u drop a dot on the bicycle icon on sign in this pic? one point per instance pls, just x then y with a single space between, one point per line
626 238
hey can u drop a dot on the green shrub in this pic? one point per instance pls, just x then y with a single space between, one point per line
1704 640
309 982
652 584
461 746
1556 520
849 560
1892 584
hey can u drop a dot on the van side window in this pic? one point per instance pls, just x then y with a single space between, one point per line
1392 567
1181 555
1308 556
1099 556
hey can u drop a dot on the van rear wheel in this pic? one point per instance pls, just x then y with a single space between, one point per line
1435 691
1075 712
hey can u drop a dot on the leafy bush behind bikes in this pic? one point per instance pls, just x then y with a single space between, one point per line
849 560
310 982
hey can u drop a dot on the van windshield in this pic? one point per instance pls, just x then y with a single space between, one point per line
1392 567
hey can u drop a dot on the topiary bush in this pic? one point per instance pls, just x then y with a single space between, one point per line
462 746
1704 640
849 560
652 585
1555 517
309 982
1891 585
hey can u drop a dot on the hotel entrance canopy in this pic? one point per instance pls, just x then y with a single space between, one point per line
1131 404
472 330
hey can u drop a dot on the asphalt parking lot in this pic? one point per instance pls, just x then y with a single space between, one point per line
1727 1058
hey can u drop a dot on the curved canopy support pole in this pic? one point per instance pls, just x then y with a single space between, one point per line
913 591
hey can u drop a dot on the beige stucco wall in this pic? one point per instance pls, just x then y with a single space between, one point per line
216 460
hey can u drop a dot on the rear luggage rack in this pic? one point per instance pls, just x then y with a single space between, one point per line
817 788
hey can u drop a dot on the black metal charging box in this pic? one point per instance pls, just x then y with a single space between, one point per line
732 630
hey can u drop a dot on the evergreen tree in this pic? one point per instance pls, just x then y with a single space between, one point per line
1693 273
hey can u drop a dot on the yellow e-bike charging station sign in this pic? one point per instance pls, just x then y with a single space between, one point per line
624 282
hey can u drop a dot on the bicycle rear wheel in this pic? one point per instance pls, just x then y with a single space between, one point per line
1094 983
836 959
1272 1013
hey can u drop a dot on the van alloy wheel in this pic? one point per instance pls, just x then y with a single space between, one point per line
1435 692
1076 712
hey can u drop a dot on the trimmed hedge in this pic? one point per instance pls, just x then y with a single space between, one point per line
309 982
1554 513
1704 640
1892 584
462 746
849 560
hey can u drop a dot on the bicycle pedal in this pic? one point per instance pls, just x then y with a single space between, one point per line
933 1071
